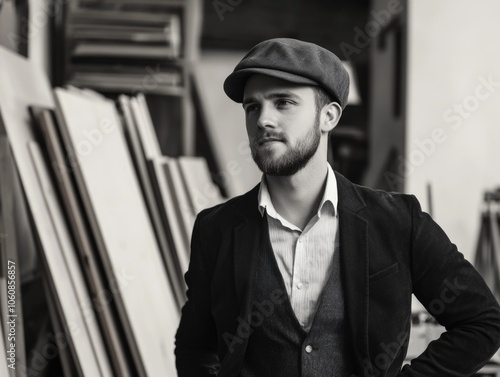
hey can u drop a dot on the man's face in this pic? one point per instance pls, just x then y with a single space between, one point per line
282 124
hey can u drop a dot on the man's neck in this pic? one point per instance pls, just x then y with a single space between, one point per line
297 197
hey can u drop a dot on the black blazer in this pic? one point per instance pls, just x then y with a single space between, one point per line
389 250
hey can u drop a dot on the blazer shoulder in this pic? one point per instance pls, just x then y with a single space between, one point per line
395 205
386 198
229 213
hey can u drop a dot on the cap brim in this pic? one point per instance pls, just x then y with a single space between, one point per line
234 85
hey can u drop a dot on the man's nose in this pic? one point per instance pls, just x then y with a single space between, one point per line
267 117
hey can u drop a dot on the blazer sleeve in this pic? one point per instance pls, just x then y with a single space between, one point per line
196 338
457 296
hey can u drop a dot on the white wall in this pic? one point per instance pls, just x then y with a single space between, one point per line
40 17
454 47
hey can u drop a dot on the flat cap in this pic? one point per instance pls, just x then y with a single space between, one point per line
291 60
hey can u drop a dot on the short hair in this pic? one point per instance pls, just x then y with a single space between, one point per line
322 97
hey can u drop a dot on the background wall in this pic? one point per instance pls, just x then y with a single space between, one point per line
40 14
453 133
225 123
8 24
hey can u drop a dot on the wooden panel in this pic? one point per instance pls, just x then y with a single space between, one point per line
202 191
118 216
62 171
145 127
66 277
183 207
68 257
24 84
171 221
171 263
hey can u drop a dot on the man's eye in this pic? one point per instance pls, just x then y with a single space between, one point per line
283 103
251 108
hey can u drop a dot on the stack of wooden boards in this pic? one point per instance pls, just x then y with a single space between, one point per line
112 216
109 43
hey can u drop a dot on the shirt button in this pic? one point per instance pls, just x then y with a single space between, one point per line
299 285
309 349
300 239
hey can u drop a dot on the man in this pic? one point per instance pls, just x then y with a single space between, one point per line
308 274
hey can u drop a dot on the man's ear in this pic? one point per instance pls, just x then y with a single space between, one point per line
331 114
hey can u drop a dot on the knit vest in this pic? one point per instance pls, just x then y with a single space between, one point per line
278 345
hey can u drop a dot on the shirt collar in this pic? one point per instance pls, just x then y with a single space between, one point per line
329 195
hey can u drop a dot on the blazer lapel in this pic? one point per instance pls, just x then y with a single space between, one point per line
246 245
353 231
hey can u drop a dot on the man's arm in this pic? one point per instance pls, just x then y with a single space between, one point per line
457 296
196 339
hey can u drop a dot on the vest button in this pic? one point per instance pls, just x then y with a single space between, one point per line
309 349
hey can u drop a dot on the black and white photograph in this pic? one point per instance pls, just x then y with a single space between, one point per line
249 188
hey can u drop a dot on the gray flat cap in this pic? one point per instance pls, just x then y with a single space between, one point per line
291 60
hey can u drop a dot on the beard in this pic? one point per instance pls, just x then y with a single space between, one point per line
293 159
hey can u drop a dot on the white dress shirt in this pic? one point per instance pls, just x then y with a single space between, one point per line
304 257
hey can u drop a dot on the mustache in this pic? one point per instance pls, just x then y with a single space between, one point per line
265 136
